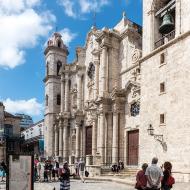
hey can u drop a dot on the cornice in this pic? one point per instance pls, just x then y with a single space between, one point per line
51 77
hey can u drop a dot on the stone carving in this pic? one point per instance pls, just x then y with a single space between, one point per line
136 55
91 70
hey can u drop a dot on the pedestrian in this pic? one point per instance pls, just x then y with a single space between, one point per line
3 170
46 172
57 168
115 168
120 165
65 177
39 167
50 168
82 169
76 168
154 175
35 173
141 178
168 180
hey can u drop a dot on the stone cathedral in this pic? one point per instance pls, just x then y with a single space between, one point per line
126 96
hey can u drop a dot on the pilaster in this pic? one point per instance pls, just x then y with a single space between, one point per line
56 129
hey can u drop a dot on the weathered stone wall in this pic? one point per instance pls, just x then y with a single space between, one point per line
174 103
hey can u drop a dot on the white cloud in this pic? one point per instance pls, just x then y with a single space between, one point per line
67 35
76 8
21 27
68 6
31 107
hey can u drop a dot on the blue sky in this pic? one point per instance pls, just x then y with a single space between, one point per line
25 27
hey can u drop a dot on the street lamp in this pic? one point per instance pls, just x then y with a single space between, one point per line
159 138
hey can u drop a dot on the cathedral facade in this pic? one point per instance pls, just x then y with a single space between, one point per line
125 96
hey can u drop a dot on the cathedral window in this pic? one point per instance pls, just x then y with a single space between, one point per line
91 70
59 64
135 108
162 87
162 119
162 58
164 21
58 99
46 100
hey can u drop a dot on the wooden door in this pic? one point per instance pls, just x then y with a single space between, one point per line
133 148
89 140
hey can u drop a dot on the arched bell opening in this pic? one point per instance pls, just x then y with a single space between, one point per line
163 21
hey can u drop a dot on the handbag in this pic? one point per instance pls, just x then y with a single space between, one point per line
86 173
170 181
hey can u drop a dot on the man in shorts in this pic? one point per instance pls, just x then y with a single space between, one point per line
81 167
154 175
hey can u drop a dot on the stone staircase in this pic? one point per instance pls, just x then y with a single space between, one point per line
126 172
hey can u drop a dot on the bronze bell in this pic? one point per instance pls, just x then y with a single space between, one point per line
167 25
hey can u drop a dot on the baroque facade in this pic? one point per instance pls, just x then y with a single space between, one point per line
119 101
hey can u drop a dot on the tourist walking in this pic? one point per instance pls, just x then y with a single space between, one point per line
141 178
57 168
39 167
82 169
154 175
76 168
168 180
65 177
46 172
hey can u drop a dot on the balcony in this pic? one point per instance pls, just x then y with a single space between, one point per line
165 39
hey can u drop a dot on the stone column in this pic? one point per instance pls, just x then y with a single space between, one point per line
65 137
102 139
60 138
62 93
77 140
56 140
104 67
97 66
115 138
66 92
79 92
94 137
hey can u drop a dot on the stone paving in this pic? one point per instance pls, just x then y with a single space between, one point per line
88 185
100 185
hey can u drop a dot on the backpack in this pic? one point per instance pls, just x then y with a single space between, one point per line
170 181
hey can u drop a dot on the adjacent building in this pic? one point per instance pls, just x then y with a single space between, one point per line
26 120
34 138
9 133
126 95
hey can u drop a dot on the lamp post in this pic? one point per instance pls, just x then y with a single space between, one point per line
157 137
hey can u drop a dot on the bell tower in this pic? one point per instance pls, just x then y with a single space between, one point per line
163 20
55 56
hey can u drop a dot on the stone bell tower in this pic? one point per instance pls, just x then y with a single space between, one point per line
55 56
163 20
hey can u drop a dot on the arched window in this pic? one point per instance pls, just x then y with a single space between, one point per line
46 100
59 64
135 108
58 99
164 21
47 68
59 44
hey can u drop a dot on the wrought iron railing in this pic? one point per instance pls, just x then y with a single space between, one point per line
166 38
